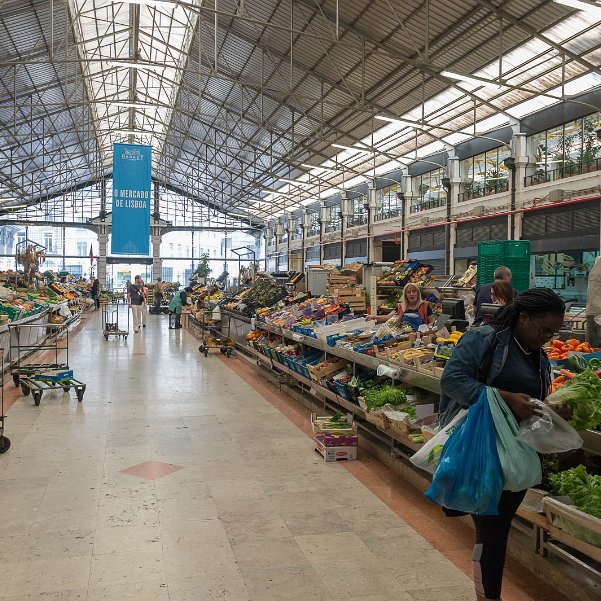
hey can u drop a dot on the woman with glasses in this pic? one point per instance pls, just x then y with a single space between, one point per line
506 355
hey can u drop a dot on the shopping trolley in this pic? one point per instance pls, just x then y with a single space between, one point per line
110 321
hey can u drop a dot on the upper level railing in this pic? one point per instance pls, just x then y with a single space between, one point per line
473 189
428 204
566 170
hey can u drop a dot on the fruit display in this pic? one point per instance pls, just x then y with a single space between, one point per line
469 278
408 270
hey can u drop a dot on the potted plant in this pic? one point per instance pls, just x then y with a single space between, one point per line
202 270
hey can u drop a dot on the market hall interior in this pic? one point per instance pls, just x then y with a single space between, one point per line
189 478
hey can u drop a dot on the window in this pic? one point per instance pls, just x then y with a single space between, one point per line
429 190
82 248
485 174
314 223
388 202
21 237
359 216
570 149
335 221
48 242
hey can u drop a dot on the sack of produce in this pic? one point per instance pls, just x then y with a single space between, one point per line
519 462
469 476
548 433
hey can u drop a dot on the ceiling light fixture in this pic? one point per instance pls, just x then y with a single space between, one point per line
579 5
353 148
136 65
472 80
400 122
8 199
135 105
15 207
293 182
307 166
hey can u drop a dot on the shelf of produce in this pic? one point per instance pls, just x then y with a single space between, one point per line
409 376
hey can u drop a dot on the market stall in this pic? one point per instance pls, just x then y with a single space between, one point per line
388 379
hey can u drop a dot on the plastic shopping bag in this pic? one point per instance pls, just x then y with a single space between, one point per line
548 433
428 456
519 462
469 476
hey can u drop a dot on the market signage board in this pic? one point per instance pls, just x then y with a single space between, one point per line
131 199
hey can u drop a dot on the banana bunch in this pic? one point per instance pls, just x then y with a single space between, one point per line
409 354
453 338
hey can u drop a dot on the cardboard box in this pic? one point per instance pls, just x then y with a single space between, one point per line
335 453
54 375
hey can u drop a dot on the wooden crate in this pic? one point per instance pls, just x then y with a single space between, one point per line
341 279
378 419
560 520
320 373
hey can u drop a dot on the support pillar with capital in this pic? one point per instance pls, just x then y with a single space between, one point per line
103 239
157 262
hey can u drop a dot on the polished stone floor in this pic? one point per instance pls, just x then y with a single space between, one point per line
176 480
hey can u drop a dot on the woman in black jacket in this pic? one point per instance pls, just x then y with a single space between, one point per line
506 355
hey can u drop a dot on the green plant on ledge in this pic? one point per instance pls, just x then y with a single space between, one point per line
203 269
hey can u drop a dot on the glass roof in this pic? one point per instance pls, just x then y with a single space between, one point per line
132 104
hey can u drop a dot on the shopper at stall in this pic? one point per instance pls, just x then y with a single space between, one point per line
501 293
158 296
412 310
141 283
483 296
175 306
506 355
95 292
135 298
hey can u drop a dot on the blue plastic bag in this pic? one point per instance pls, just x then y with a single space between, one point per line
469 476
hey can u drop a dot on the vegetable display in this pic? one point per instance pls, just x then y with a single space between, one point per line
582 396
386 395
558 350
583 488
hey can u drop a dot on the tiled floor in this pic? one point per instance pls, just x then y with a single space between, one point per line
177 480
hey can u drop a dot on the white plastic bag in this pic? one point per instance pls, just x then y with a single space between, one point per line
428 456
548 433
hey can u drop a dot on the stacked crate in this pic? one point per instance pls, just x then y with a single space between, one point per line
345 289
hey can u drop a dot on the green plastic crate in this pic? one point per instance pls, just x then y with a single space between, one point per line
517 249
514 254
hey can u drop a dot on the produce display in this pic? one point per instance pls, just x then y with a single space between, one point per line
409 270
265 292
558 350
469 278
579 398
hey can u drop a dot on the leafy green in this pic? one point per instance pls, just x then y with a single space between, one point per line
583 488
583 396
378 396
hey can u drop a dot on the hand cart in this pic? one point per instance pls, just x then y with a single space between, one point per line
110 321
36 385
213 336
32 376
4 441
25 340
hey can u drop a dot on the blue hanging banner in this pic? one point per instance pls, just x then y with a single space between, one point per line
131 199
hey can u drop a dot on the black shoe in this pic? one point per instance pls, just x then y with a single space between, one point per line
178 326
143 325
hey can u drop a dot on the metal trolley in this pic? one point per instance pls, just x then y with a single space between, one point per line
25 339
110 321
213 336
4 440
31 376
